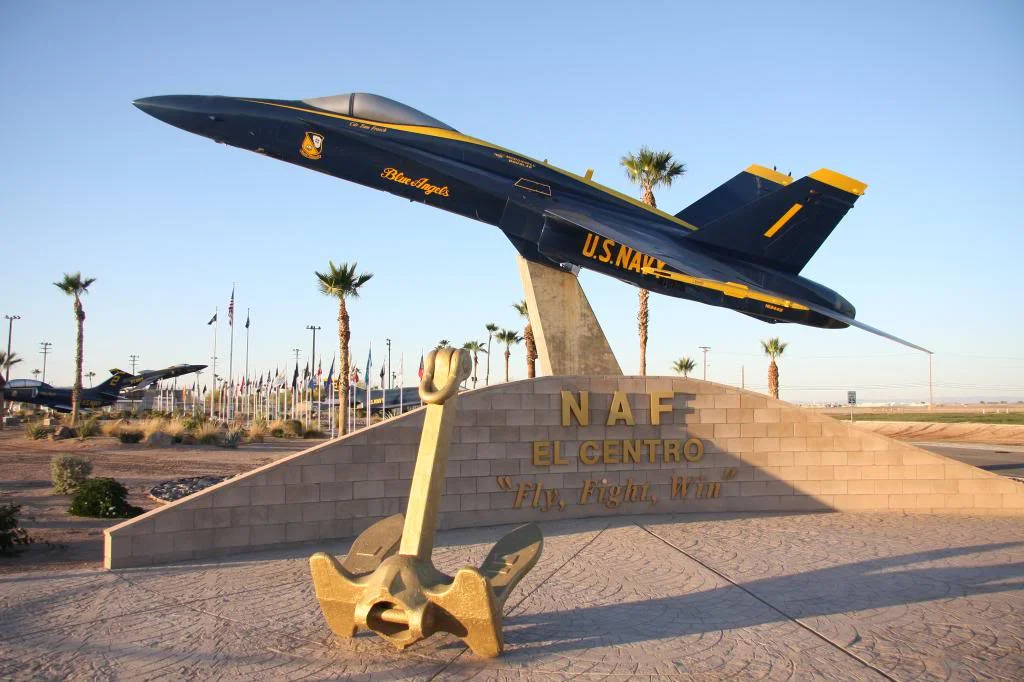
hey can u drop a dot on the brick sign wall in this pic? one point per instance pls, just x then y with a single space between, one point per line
565 447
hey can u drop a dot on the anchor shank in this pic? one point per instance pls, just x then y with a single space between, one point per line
428 481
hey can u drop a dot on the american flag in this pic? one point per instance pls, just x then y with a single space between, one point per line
231 308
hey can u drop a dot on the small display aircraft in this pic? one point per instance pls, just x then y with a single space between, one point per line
742 246
107 393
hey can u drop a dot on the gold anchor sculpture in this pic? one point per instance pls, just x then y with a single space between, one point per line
403 597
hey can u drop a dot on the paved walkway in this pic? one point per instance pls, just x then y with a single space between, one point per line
776 597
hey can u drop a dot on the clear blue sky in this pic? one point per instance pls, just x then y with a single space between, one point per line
924 101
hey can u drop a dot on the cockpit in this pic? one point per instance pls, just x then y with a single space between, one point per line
376 108
24 383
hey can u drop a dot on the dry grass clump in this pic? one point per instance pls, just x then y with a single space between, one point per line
258 431
291 428
208 434
112 427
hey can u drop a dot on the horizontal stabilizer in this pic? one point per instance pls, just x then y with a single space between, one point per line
785 228
746 187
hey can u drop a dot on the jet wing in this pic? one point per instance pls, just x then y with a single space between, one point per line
661 243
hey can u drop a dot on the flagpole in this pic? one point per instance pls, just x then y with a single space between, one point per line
213 377
231 348
401 383
247 352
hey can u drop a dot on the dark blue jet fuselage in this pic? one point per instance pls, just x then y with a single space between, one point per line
550 215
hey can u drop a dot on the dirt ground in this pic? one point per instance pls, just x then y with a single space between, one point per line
63 541
996 434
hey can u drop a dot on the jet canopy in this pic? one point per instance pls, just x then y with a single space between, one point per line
375 108
24 383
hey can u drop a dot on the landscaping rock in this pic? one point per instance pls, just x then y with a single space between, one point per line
188 439
62 433
169 491
159 439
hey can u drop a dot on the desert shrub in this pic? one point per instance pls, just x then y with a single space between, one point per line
67 473
111 427
37 431
103 498
193 422
258 431
290 428
233 436
314 433
89 428
11 533
208 434
128 435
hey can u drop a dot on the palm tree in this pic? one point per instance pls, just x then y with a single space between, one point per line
684 366
773 348
491 331
75 285
90 374
531 346
474 347
5 365
509 337
342 282
649 169
443 343
36 373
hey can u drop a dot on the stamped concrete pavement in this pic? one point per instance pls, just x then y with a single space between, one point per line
881 596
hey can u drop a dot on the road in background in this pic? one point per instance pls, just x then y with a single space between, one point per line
1007 460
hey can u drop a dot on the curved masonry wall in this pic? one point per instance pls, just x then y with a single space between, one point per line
703 447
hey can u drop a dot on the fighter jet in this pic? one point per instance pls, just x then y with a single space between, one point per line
148 377
59 399
742 246
107 393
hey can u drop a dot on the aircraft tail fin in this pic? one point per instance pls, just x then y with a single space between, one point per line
747 186
784 229
119 380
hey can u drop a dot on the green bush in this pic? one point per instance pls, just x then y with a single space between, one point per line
89 428
194 422
103 498
130 435
37 431
68 473
314 433
11 533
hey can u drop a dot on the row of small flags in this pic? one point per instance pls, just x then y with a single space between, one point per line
278 381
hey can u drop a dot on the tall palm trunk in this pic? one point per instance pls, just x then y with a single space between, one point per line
487 378
343 339
643 313
508 354
476 362
773 380
76 390
531 351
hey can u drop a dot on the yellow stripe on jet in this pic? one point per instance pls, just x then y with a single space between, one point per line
455 135
793 210
728 288
769 174
843 182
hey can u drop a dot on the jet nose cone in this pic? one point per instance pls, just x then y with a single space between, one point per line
194 113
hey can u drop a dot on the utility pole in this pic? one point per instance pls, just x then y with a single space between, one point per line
931 403
10 326
705 349
45 345
133 358
389 363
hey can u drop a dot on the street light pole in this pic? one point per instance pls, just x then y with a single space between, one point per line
705 349
312 360
133 358
10 326
389 363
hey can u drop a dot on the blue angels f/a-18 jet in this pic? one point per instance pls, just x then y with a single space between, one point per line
742 246
59 399
107 393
